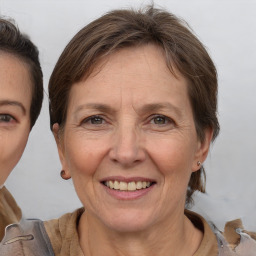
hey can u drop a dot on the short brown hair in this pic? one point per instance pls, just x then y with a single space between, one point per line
18 44
128 28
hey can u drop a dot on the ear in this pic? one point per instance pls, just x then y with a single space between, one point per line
61 148
202 149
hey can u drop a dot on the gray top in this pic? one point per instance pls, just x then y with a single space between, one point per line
28 238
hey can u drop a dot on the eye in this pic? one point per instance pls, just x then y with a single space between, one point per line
96 120
160 120
5 118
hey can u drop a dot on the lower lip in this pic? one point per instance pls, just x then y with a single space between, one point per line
128 195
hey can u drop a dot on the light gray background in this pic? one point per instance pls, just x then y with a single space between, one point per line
227 28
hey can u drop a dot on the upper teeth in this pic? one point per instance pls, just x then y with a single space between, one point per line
129 186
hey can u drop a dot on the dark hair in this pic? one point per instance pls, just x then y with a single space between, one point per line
128 28
18 44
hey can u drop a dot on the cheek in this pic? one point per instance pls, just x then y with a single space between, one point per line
12 147
83 158
172 156
174 160
83 155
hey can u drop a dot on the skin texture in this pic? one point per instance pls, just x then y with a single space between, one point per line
143 129
15 100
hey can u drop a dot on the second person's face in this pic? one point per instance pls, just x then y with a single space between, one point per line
130 142
15 100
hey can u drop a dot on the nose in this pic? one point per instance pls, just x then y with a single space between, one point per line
127 146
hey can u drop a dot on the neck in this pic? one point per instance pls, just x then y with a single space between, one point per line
176 237
1 186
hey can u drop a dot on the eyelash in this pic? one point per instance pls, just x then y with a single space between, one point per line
90 118
9 118
166 119
100 120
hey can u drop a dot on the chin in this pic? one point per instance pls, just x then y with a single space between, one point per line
128 221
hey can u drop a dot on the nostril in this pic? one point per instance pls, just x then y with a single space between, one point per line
125 157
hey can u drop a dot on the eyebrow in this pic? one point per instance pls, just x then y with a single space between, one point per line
96 106
154 107
13 103
151 107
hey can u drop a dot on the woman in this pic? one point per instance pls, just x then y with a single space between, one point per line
129 133
133 102
21 95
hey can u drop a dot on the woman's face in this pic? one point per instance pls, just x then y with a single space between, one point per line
130 126
15 100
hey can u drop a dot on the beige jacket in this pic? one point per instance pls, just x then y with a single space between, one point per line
65 242
60 238
9 210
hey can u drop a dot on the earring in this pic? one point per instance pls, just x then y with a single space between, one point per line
64 176
199 163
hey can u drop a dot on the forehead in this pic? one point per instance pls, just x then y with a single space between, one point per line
136 71
133 59
15 82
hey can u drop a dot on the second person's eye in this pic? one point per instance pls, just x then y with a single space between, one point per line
5 118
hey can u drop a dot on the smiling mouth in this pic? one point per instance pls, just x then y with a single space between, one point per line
127 186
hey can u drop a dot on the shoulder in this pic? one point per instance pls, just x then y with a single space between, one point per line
63 225
239 240
234 240
9 210
62 232
26 238
8 203
209 244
